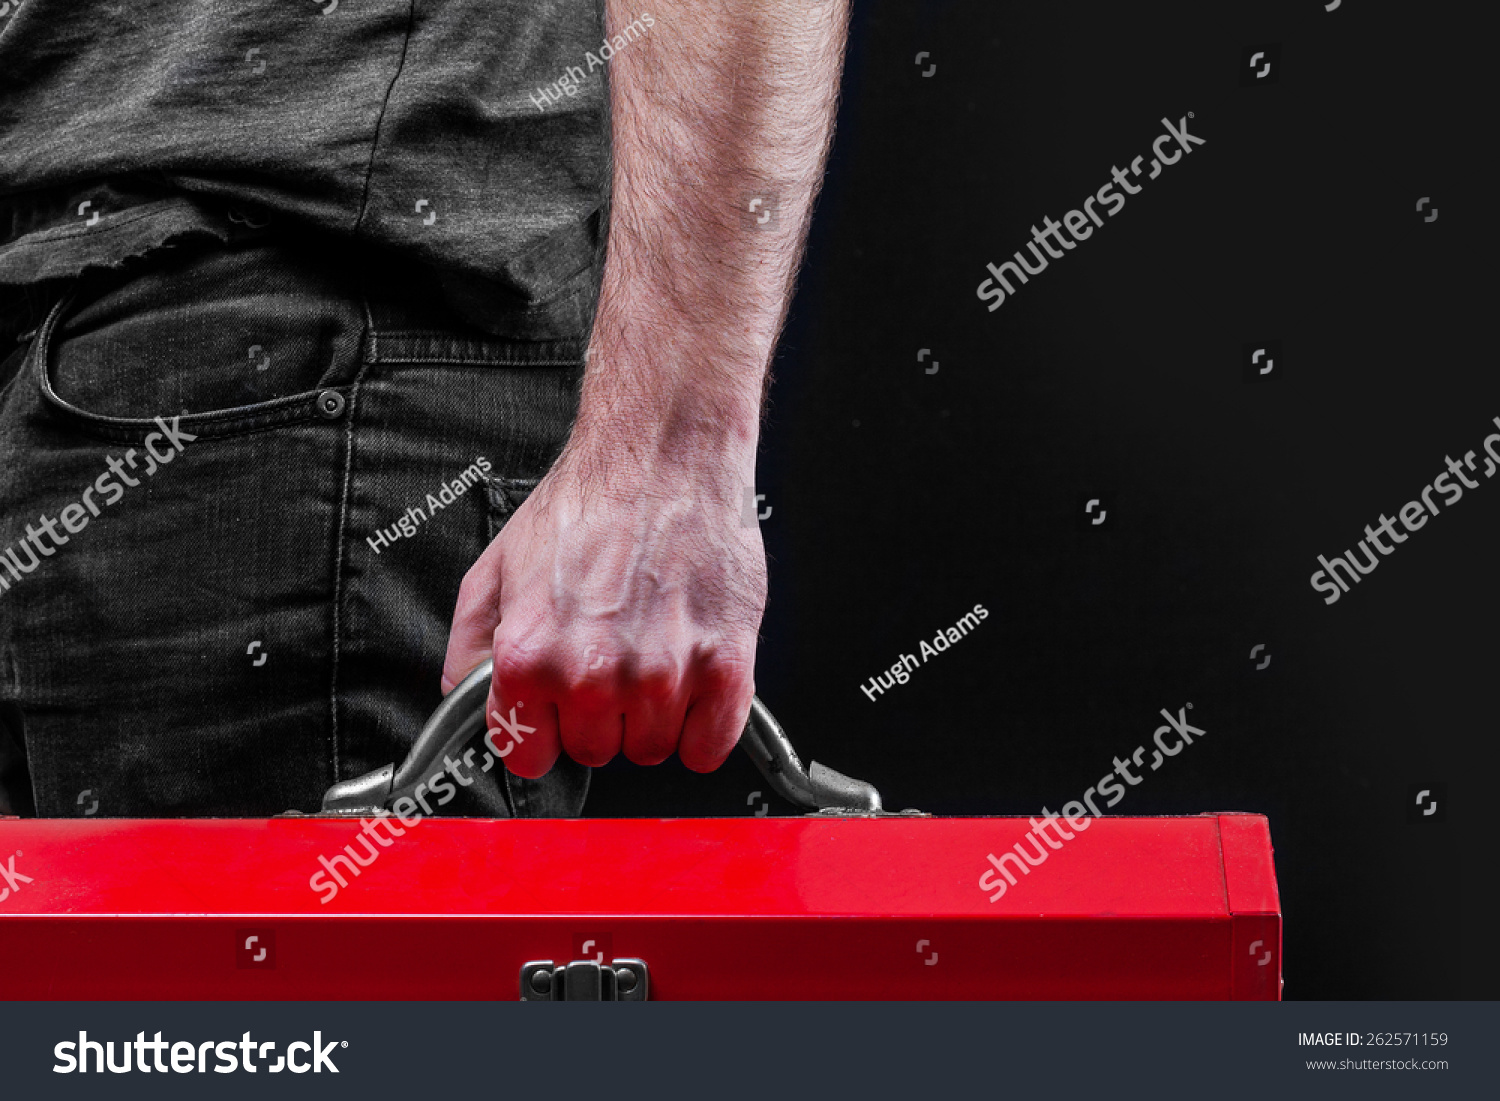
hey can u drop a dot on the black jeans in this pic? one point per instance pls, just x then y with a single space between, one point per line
239 486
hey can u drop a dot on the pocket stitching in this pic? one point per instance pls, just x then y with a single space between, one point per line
215 425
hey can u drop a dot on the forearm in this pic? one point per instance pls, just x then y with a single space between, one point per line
717 104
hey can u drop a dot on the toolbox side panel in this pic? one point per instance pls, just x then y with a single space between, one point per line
1250 885
388 958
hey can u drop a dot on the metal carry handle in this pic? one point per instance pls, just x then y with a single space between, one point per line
461 715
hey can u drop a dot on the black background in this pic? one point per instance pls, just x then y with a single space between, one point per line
901 499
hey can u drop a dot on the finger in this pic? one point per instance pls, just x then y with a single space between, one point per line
655 702
653 729
476 614
712 727
591 735
521 730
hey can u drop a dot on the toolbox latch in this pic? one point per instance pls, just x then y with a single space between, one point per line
624 980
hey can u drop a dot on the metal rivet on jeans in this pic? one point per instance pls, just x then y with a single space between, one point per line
331 404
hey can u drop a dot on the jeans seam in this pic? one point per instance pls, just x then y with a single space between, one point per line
424 346
517 797
338 561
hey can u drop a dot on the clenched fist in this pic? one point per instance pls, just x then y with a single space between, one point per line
622 618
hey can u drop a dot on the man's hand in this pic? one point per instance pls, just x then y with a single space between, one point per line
627 615
621 601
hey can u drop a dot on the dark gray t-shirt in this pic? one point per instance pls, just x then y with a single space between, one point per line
445 130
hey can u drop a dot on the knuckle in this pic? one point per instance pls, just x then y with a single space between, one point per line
520 661
654 679
726 671
511 666
592 690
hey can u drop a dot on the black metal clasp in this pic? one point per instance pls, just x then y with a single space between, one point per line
585 981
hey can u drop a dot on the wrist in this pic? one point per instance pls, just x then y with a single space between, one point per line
681 447
671 410
625 455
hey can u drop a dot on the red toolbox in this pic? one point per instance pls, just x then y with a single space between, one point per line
848 903
718 908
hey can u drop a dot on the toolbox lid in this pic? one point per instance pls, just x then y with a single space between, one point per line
1199 866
